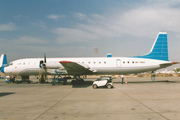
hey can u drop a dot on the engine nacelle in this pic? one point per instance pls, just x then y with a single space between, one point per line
53 65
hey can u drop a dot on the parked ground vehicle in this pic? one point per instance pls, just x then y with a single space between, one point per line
104 81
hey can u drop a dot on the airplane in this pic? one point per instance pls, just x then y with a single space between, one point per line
156 59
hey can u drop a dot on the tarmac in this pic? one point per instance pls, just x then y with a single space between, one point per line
140 99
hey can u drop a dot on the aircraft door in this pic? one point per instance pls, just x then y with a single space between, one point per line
118 63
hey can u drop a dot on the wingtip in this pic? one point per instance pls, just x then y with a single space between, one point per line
175 62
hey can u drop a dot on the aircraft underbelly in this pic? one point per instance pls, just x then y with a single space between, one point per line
125 70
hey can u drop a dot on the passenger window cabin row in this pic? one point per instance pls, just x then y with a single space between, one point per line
104 62
133 62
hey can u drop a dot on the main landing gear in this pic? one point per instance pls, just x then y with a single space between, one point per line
76 81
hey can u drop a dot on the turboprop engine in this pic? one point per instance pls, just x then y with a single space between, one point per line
52 65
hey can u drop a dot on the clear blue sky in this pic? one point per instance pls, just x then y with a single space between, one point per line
72 28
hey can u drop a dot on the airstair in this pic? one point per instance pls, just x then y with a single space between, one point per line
40 75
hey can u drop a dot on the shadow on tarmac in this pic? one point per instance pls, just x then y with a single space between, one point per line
6 93
162 81
83 85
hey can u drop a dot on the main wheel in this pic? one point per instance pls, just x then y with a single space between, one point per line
73 82
95 86
109 86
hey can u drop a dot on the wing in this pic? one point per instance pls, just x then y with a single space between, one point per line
76 68
168 64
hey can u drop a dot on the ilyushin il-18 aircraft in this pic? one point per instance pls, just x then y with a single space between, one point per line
156 59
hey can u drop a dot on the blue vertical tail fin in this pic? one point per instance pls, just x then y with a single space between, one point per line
159 49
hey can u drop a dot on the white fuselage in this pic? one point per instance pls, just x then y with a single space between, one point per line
103 65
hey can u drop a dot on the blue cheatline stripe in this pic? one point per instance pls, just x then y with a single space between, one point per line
160 49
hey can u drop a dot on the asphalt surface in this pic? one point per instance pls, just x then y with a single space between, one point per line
140 99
